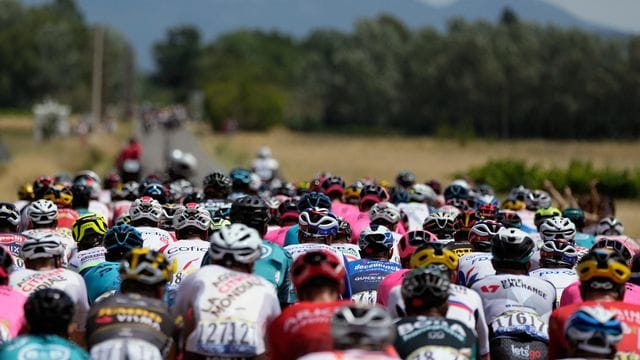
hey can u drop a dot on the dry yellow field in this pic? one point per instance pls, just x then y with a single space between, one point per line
302 156
31 159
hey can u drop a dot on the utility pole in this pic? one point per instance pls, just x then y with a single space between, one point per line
96 86
129 80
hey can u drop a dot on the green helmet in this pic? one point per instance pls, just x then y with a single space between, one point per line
576 215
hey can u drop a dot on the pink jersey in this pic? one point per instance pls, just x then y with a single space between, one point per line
344 210
358 221
277 236
387 284
11 313
571 294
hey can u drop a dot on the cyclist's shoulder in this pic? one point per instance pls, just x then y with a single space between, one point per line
23 345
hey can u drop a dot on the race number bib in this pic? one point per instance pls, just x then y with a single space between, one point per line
237 338
513 323
440 352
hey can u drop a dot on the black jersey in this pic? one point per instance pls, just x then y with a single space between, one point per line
421 337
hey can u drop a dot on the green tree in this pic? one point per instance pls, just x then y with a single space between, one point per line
177 59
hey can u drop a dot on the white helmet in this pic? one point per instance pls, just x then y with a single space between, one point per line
558 228
538 199
146 207
422 193
609 226
42 245
42 212
193 215
385 211
264 152
9 213
375 235
240 241
372 326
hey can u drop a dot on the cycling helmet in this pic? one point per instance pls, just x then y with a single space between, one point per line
218 222
59 195
194 197
6 265
603 264
512 204
344 231
147 266
435 185
263 152
543 214
333 186
372 194
452 210
352 193
399 195
519 193
405 179
594 330
314 200
150 179
48 311
557 228
42 245
512 246
25 192
216 185
360 325
252 211
41 184
157 192
43 212
317 264
456 191
411 241
434 253
89 230
238 241
9 215
487 212
425 287
179 188
510 219
422 193
485 190
609 226
288 211
192 216
87 174
146 208
181 164
318 223
240 177
377 236
441 224
576 215
168 213
121 239
387 212
482 233
81 195
465 221
287 189
130 191
112 181
537 199
460 204
558 253
624 245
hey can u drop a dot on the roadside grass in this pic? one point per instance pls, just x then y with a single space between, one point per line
30 159
303 155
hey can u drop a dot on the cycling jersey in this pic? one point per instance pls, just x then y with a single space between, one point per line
343 210
585 240
291 236
13 243
349 355
102 280
99 208
187 255
218 207
461 248
473 267
421 337
274 265
42 347
155 238
299 249
560 278
81 260
416 214
387 285
301 329
528 224
365 275
627 313
277 236
11 313
130 316
506 292
350 252
358 221
66 218
230 311
571 294
120 209
125 348
27 281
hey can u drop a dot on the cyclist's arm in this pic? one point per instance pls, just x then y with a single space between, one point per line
555 194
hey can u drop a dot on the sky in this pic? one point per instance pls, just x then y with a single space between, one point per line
618 14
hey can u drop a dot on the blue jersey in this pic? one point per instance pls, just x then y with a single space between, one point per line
101 279
365 275
585 240
46 347
292 235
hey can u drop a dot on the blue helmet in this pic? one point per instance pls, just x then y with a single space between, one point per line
122 238
240 176
314 200
594 330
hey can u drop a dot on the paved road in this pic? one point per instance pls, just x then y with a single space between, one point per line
158 143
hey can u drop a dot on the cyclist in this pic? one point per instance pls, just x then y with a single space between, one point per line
603 274
359 332
425 333
42 254
334 188
146 215
168 213
307 201
9 236
225 306
48 314
43 218
352 193
265 165
81 198
317 228
304 327
287 215
576 215
389 216
442 225
25 196
421 196
609 226
365 274
11 311
476 265
593 333
192 223
88 232
62 196
240 181
135 324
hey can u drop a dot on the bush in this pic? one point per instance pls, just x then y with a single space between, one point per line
504 174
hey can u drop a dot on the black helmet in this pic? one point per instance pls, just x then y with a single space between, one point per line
6 265
9 215
425 288
512 246
216 185
81 194
49 311
456 191
314 200
405 178
576 215
252 211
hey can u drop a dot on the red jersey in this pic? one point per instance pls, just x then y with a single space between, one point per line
301 329
66 218
12 242
629 314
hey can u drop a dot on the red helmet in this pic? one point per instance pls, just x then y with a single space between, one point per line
315 264
487 212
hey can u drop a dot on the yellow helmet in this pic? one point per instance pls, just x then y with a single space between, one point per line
25 192
352 191
147 266
88 225
510 204
59 195
434 253
603 263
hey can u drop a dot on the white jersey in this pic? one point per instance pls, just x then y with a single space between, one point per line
187 255
350 251
265 168
155 238
81 260
70 246
348 355
465 305
416 213
298 249
20 204
27 281
559 278
473 267
231 311
507 292
99 208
